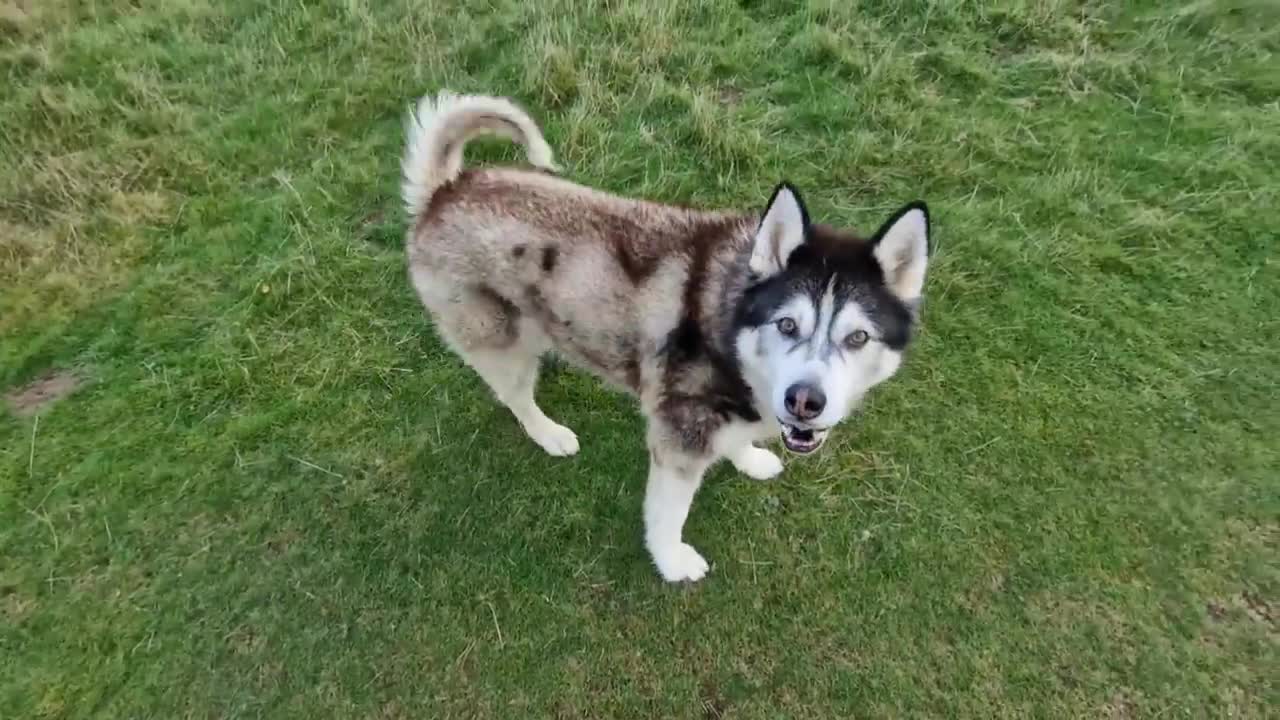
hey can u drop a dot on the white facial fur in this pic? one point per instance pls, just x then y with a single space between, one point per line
817 354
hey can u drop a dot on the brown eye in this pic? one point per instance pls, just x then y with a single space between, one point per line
787 327
856 339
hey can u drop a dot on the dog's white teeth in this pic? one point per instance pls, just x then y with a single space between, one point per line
802 441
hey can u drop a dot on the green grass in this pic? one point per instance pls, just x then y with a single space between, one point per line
277 494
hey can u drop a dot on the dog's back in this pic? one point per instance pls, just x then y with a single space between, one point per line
503 255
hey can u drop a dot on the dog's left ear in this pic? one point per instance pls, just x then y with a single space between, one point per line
782 229
901 246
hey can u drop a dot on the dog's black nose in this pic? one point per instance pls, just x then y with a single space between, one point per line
805 401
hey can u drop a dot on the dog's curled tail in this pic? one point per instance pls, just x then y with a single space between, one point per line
440 126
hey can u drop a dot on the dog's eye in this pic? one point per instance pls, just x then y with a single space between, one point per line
787 327
856 339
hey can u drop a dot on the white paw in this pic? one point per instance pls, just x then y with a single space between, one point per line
758 463
679 563
556 439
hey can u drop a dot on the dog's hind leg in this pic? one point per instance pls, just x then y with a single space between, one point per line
512 374
501 345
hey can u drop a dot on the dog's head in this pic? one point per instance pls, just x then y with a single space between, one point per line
827 314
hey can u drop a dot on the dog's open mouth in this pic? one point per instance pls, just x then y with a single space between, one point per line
802 440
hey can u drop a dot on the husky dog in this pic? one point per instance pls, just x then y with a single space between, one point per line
730 328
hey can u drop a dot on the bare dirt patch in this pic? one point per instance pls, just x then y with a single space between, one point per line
1246 604
1121 707
1258 609
15 606
1215 610
35 396
730 96
714 706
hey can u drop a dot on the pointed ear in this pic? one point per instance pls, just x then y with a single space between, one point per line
782 229
902 249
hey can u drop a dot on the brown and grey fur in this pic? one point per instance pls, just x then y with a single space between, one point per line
514 263
585 270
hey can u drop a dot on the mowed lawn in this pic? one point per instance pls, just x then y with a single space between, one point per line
273 493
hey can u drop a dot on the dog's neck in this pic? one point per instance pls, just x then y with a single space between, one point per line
734 283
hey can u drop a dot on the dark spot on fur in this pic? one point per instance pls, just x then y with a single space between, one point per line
518 251
637 258
636 268
631 366
550 255
508 313
630 353
558 326
507 306
685 343
470 186
540 307
547 317
687 338
639 250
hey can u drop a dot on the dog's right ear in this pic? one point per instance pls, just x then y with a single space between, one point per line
782 229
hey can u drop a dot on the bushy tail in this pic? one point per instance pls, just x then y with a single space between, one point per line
439 127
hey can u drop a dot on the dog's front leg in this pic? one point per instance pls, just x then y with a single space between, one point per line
735 441
673 480
756 463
